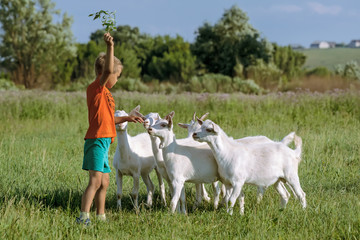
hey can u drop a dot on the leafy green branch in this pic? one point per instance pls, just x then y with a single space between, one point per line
107 19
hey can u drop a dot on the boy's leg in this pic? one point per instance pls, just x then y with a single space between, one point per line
95 181
101 194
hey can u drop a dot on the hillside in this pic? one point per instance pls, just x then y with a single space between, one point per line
330 57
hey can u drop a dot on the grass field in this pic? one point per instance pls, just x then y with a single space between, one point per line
41 181
330 57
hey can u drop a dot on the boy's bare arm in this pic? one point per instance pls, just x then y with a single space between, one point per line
134 119
109 60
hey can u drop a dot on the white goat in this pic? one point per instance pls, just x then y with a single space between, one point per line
134 157
191 128
150 120
184 163
194 126
260 164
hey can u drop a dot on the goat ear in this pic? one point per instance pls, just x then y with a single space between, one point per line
140 115
216 128
157 117
194 117
136 113
183 125
137 108
169 118
170 115
170 122
204 116
199 121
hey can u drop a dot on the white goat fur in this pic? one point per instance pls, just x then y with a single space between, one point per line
134 157
260 164
184 163
201 193
194 126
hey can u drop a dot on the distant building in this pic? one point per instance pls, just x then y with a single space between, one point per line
354 44
322 44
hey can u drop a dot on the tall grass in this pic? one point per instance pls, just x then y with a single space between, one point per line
41 181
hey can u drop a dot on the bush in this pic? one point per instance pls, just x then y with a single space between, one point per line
132 84
220 83
246 86
350 70
319 72
194 85
209 83
239 70
167 88
6 84
223 82
80 84
266 75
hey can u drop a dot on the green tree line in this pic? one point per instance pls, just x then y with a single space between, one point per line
35 52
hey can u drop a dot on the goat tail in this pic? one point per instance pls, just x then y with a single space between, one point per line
297 141
288 138
298 146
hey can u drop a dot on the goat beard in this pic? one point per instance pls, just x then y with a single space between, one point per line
162 143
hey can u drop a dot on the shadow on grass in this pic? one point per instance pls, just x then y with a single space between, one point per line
57 198
69 199
127 204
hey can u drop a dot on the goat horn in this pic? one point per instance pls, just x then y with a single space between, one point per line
204 116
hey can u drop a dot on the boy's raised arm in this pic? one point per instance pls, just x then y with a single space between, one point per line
109 59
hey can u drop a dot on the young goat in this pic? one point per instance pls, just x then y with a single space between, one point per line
194 126
184 163
260 164
150 120
134 157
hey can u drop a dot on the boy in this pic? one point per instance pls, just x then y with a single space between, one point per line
101 131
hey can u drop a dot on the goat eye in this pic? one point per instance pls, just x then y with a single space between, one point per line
163 125
209 130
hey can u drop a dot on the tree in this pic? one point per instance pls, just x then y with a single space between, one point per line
161 57
171 59
84 60
231 41
129 60
123 34
32 46
87 54
289 61
126 40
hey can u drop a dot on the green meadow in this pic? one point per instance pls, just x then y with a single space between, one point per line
41 181
330 57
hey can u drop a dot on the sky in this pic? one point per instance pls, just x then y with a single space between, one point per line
285 22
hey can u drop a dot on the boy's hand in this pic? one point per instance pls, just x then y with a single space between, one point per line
108 39
135 119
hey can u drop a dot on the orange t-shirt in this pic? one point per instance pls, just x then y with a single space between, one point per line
101 110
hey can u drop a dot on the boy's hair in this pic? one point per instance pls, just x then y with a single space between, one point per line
100 63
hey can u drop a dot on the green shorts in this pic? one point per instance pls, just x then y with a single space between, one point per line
96 154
